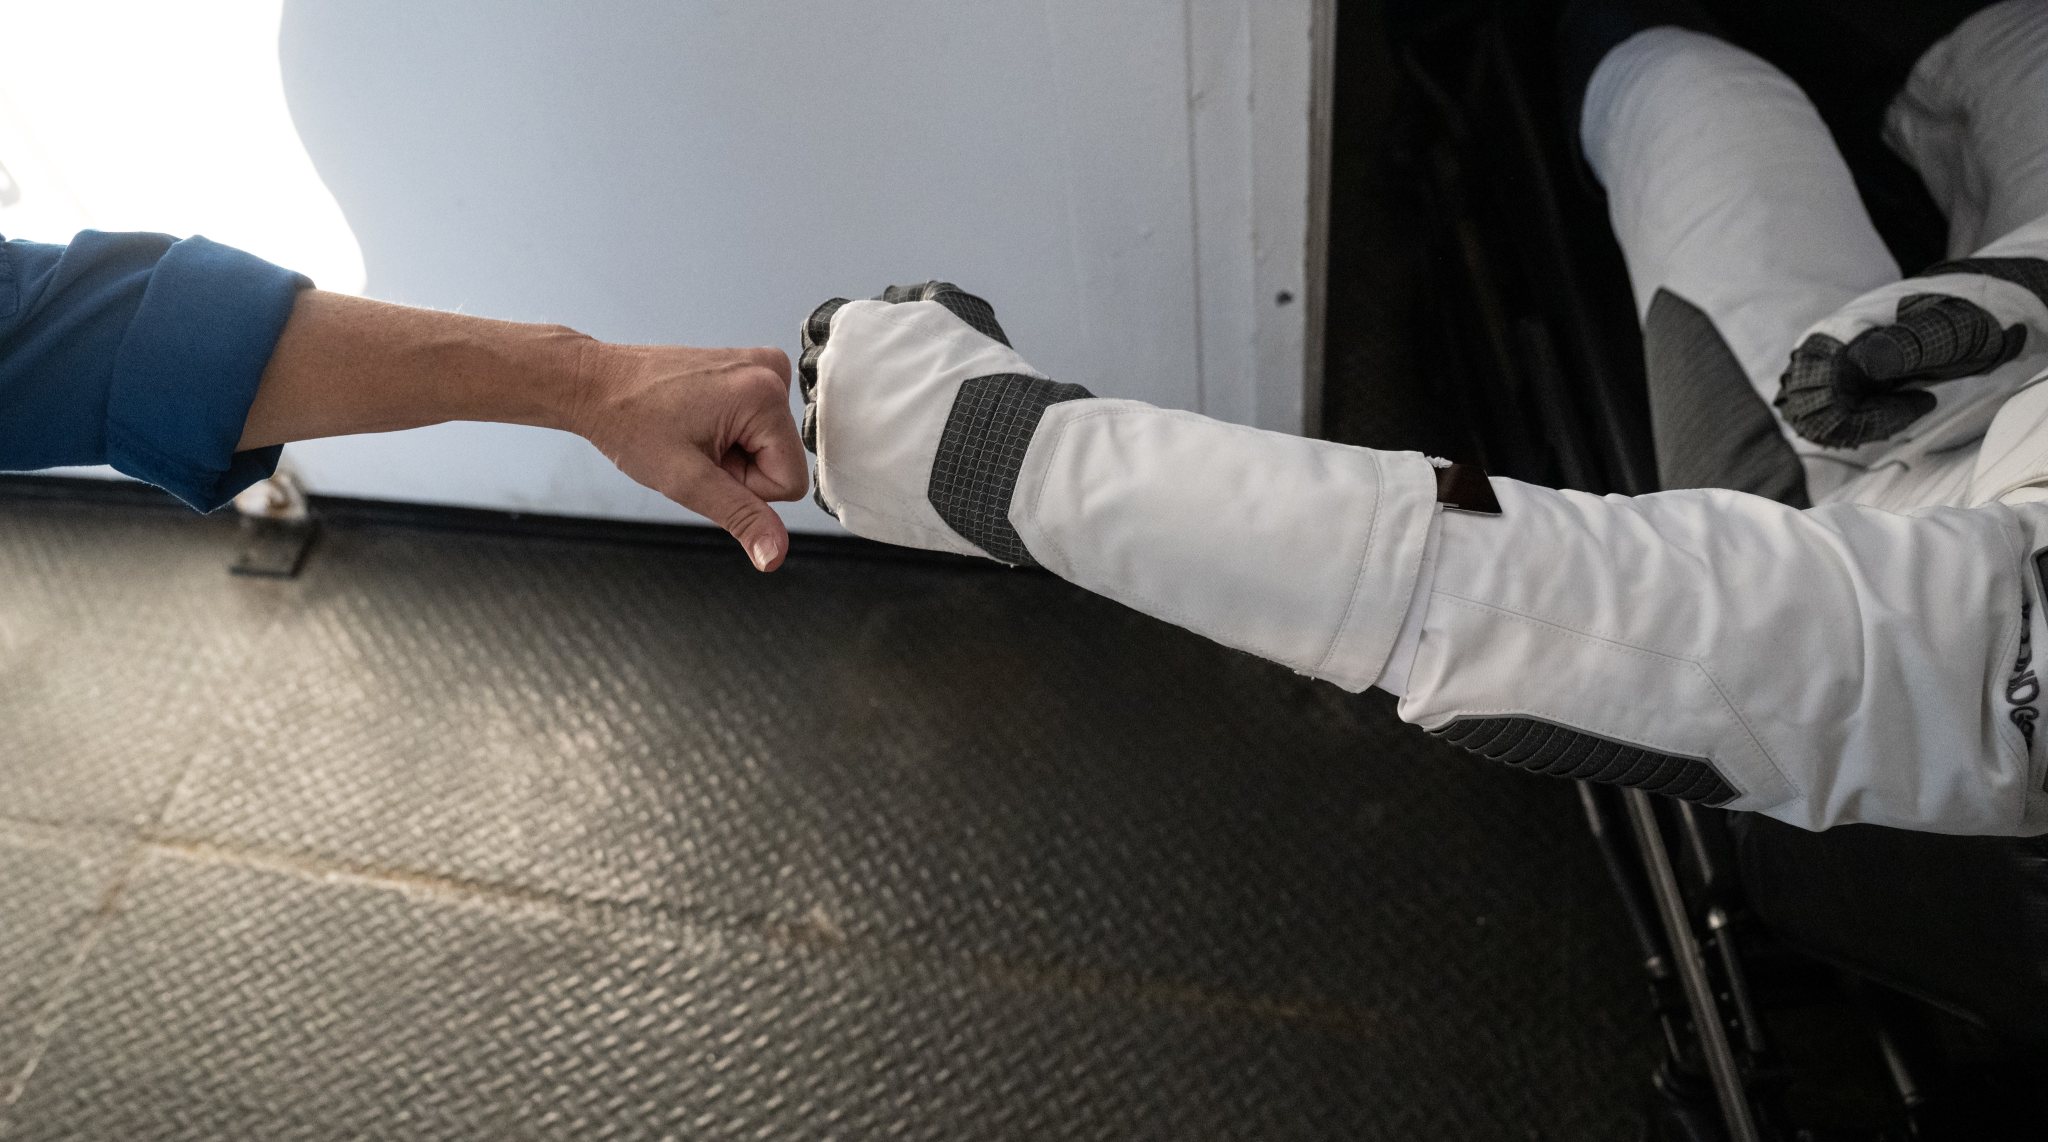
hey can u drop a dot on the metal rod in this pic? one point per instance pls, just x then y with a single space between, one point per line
1723 927
1621 428
1692 970
1636 904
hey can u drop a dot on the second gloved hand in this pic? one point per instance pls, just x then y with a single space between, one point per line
1874 369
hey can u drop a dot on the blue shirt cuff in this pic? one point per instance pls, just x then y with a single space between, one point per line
187 371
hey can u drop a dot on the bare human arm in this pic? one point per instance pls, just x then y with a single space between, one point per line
708 428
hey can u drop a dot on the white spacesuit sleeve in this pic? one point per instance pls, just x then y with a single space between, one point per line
1833 665
1824 666
1972 122
1300 551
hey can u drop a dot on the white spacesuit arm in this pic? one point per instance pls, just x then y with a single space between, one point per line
1833 665
1823 666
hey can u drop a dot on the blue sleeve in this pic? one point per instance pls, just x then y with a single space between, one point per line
140 351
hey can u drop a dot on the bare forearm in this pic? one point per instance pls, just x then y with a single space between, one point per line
347 365
708 428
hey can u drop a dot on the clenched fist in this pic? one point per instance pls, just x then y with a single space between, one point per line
708 428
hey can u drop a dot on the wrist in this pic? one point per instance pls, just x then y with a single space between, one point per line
540 375
596 373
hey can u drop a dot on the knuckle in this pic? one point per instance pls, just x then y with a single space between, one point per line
768 387
808 370
753 381
818 326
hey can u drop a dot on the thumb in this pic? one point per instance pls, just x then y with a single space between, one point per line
713 493
777 467
1936 337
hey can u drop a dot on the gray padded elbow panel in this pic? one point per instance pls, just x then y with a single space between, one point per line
1560 751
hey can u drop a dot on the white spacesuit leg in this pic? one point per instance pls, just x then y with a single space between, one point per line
1824 666
1741 227
1973 120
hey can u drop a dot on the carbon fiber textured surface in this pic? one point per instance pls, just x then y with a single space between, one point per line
467 836
981 454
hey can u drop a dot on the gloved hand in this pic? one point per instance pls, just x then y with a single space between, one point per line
921 443
1862 374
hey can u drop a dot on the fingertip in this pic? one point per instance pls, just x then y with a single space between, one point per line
818 326
766 553
769 546
777 448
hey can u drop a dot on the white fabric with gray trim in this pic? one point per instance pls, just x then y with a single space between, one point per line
1299 551
1844 663
1838 664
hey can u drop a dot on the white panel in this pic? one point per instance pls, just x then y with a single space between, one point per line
707 172
1286 40
1258 106
1120 73
1220 127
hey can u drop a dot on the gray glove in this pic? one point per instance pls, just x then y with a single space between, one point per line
1855 380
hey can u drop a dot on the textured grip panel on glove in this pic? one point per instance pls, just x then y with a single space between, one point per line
978 314
982 452
1842 396
1936 338
1824 403
988 429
